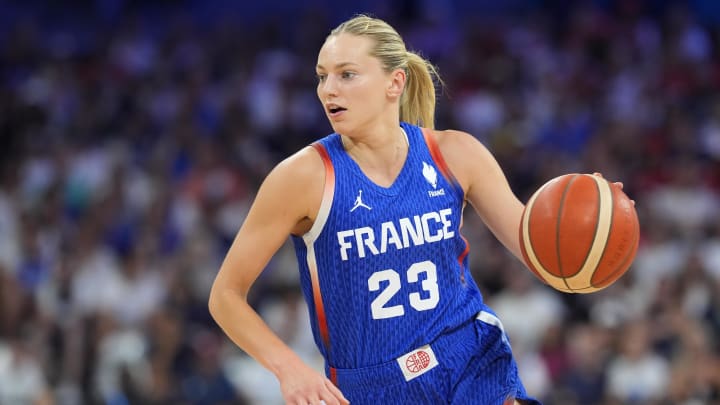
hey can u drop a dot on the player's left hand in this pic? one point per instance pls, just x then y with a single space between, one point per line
617 183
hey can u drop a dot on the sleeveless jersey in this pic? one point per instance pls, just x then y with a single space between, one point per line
384 270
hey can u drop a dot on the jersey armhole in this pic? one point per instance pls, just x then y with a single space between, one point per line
327 196
437 157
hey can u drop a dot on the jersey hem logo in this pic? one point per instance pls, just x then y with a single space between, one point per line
417 362
359 203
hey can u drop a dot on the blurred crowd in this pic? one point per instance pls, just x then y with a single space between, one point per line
132 142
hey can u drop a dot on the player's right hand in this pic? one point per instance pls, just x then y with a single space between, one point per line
301 385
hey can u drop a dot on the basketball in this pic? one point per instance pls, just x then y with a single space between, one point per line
579 233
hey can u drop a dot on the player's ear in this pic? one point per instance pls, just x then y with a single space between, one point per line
397 83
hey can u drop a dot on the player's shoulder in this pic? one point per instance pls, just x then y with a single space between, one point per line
297 175
299 179
463 153
453 142
305 162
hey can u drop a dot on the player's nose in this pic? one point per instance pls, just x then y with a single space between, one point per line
329 86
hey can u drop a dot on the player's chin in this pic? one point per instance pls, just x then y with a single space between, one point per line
339 126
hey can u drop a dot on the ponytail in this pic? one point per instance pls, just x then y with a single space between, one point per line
417 104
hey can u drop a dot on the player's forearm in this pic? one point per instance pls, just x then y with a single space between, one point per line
504 222
511 228
246 329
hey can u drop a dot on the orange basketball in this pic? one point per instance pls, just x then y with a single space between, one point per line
579 233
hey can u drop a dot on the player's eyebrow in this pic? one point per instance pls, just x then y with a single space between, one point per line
338 66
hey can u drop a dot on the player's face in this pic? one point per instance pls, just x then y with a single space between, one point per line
352 85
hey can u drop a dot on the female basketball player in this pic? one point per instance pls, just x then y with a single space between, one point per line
375 211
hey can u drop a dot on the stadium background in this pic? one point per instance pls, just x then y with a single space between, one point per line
133 135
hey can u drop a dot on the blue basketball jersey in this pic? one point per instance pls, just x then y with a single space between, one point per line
385 270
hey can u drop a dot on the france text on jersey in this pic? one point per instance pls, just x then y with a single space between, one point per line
405 232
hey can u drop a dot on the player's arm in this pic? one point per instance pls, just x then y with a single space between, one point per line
286 203
485 185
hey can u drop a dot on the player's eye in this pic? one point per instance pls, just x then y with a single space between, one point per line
348 75
321 77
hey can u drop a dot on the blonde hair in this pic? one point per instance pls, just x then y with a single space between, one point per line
417 103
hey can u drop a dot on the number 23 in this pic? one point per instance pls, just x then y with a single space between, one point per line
392 277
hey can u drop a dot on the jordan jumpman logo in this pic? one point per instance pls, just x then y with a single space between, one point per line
359 202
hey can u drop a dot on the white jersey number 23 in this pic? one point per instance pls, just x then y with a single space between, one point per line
394 283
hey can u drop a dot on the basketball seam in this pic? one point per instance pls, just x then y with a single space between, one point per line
607 239
595 231
557 231
624 263
603 227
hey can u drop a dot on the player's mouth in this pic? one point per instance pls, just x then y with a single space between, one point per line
334 110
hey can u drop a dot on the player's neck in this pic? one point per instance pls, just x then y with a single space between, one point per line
380 157
377 145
